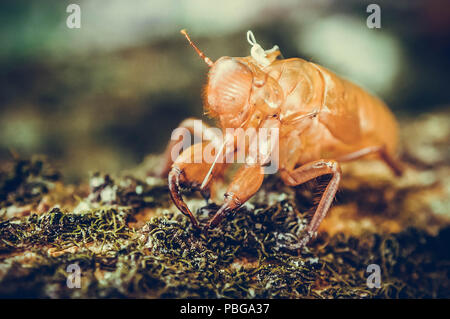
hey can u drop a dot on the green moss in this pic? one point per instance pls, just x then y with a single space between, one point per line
59 228
243 258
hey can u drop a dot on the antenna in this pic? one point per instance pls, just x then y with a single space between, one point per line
200 53
205 180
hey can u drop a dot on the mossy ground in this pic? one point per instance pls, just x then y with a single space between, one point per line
130 242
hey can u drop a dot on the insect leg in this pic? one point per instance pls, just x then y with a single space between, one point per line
190 170
393 164
249 178
188 124
174 188
245 184
305 173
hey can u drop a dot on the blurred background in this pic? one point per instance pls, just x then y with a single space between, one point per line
104 96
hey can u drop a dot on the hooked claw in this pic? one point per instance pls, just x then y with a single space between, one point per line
221 213
231 203
174 188
189 168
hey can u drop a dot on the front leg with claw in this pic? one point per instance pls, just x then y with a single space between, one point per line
245 184
190 169
250 177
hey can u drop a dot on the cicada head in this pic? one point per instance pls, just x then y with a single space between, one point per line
228 91
233 81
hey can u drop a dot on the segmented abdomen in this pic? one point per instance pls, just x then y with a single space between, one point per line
349 117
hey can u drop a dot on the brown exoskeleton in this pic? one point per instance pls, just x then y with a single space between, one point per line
322 120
